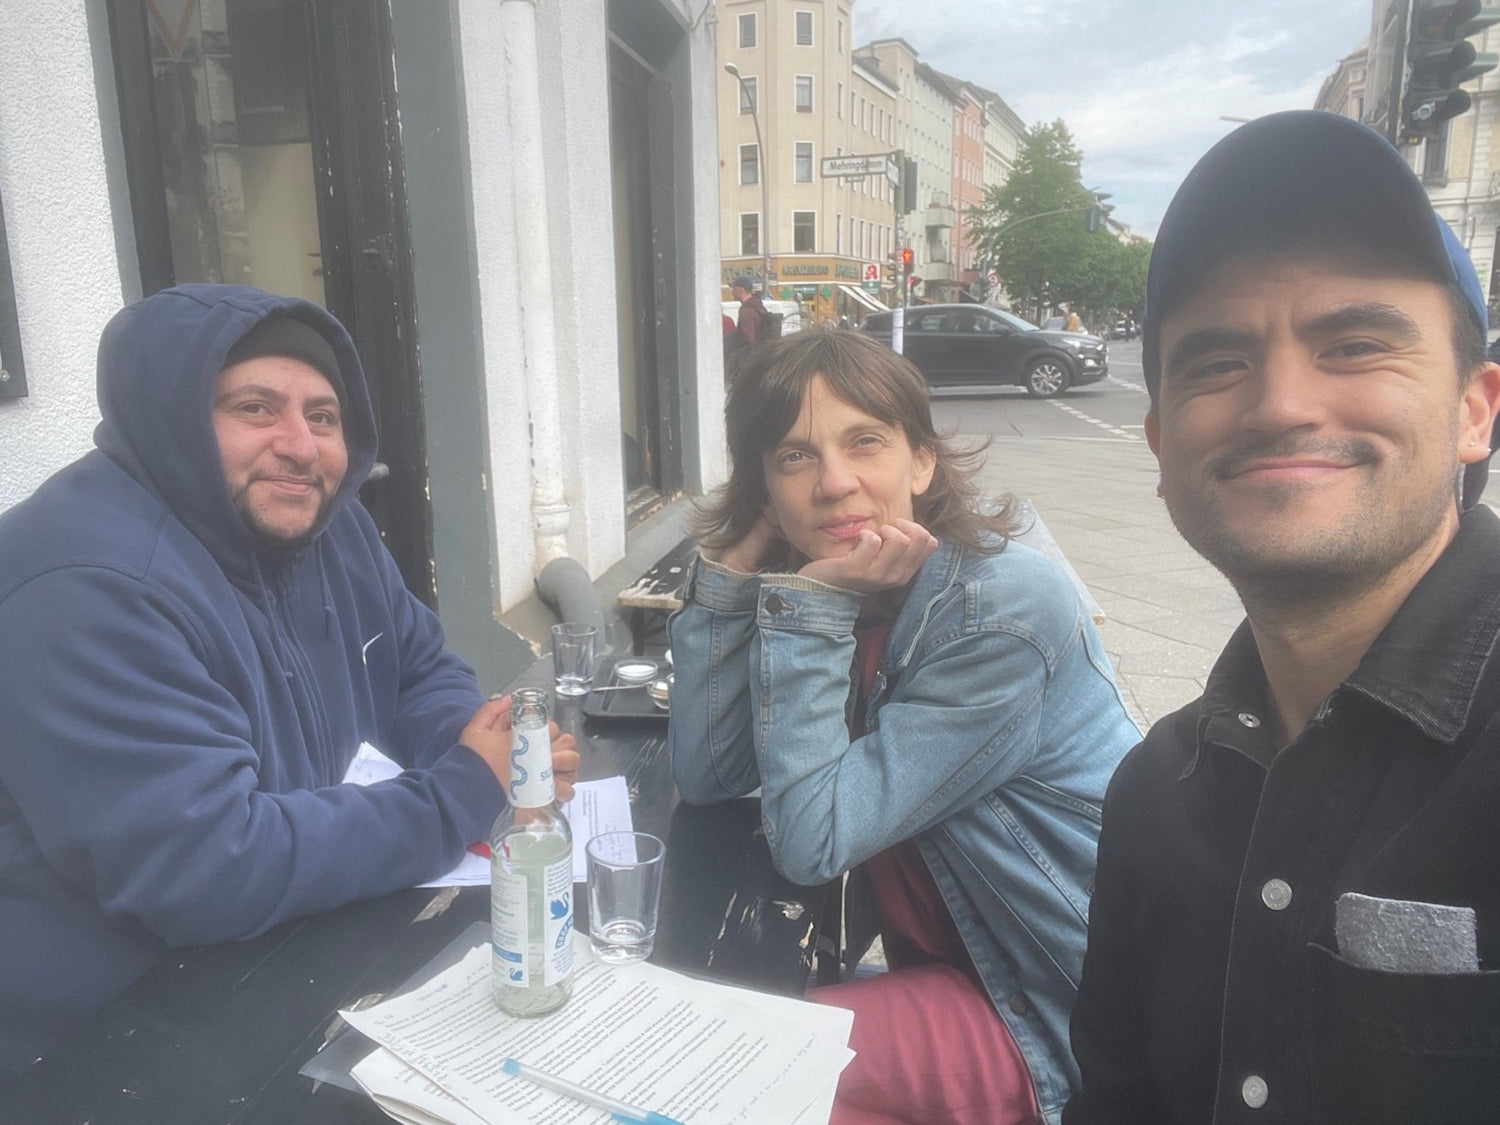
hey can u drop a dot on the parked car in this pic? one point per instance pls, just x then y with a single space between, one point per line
976 345
1053 324
1123 330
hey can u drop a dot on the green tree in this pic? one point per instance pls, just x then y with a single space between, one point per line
1051 258
1039 258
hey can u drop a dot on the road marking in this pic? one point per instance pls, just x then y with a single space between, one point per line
1107 427
1127 386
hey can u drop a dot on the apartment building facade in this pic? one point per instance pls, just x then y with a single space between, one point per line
924 114
795 95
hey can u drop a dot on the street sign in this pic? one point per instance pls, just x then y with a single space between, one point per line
845 167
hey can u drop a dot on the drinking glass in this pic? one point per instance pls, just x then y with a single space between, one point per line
624 874
573 658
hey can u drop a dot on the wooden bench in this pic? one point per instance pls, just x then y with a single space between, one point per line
657 591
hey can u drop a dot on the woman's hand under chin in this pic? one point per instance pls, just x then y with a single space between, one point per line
884 560
750 553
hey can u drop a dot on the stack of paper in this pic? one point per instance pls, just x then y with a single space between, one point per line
696 1051
596 807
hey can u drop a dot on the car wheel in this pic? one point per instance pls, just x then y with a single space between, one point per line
1046 377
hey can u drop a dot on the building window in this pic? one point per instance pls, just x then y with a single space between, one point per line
749 94
853 116
749 233
804 232
804 29
838 234
840 101
747 30
802 171
749 164
841 37
804 100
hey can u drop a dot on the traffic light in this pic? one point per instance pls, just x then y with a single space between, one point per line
1439 59
906 258
908 183
1098 212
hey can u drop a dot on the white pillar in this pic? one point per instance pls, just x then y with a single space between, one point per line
549 503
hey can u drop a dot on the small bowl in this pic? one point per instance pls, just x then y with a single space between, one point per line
635 670
660 692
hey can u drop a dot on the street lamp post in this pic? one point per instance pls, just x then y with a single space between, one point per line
763 170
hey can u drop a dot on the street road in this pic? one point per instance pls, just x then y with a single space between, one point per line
1112 408
1083 462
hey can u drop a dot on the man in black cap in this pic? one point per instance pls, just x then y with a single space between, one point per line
1296 914
751 328
199 629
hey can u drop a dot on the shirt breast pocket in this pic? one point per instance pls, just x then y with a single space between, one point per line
1402 1047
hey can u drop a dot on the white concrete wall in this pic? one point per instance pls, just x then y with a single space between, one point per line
573 45
508 453
62 247
713 456
574 75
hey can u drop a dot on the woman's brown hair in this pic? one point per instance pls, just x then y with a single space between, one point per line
766 397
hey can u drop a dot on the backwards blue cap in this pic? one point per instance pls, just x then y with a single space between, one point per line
1311 171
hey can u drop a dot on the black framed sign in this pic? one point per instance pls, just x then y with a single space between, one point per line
12 370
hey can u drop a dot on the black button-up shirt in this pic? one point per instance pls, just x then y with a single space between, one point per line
1213 989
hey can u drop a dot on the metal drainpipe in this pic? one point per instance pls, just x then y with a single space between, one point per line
549 504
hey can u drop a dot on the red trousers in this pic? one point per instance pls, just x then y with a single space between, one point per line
930 1050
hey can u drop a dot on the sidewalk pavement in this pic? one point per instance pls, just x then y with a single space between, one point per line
1167 612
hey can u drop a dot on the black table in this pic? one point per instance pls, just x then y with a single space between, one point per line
218 1033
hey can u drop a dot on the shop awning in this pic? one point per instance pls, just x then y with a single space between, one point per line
861 297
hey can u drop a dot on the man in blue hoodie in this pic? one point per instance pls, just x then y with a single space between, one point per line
199 627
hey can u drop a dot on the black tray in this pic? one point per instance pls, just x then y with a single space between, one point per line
634 704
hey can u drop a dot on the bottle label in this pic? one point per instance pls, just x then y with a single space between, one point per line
531 784
558 929
508 927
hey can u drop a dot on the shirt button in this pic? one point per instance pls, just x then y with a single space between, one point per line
1248 720
1019 1004
1276 894
1254 1091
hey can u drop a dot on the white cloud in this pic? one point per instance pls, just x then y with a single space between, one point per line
1141 83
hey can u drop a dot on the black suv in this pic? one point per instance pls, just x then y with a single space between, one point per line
979 346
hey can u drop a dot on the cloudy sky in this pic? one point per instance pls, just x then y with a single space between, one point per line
1141 83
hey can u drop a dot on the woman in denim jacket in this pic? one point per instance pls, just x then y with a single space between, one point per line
912 693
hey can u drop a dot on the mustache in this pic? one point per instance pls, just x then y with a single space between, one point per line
317 480
1256 447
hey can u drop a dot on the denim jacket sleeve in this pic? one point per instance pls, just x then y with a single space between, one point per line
713 755
956 724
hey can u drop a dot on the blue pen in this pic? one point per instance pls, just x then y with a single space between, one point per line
618 1110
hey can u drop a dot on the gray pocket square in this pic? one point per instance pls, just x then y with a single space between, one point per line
1405 937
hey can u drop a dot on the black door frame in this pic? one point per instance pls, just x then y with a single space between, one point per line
365 231
652 234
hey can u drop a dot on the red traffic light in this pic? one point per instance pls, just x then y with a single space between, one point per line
906 256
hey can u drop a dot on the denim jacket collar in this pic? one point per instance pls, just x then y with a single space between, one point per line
1427 666
933 581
